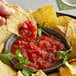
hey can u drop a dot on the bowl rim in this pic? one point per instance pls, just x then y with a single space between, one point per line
64 14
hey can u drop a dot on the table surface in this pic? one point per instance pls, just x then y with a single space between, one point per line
35 4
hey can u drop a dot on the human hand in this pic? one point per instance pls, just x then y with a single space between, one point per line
4 11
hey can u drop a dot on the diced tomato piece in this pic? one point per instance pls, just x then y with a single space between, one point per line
28 29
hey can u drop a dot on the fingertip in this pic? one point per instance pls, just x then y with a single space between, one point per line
2 20
5 10
11 10
4 1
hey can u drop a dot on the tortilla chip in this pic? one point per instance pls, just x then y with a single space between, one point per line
4 33
1 47
71 29
72 55
64 71
17 18
72 60
61 29
6 70
63 20
54 74
74 42
46 16
72 67
63 23
39 73
19 73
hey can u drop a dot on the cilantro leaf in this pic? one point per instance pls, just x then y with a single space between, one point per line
74 53
18 66
70 45
28 70
18 53
6 57
40 31
25 72
22 60
64 54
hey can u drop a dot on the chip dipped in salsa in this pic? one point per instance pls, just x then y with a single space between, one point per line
41 51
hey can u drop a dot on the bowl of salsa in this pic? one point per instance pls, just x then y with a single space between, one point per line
39 47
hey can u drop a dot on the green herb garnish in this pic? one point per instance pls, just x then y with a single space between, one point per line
28 70
40 31
6 57
22 61
74 53
65 54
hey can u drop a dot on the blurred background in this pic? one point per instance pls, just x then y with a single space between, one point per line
60 6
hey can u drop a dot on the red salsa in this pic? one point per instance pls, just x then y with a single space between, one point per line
40 51
28 29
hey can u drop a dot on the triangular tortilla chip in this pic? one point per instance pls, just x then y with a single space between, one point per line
64 71
4 33
71 29
46 16
17 18
63 23
6 70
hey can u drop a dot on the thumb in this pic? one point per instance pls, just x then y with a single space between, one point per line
5 10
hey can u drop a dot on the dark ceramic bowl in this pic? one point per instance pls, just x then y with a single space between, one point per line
13 37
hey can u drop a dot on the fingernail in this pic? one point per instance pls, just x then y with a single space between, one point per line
11 10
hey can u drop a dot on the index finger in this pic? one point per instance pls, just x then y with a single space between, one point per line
5 10
4 2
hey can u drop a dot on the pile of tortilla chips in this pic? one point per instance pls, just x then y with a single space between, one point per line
47 17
